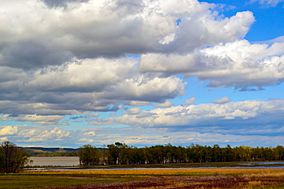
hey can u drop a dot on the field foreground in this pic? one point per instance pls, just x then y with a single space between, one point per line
147 178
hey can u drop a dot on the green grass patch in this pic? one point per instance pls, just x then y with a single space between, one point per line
39 181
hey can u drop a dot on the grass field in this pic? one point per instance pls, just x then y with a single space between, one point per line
147 178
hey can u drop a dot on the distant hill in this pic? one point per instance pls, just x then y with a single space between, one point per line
40 151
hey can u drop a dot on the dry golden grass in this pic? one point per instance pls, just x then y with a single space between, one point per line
200 171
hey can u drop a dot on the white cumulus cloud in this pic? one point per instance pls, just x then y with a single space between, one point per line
8 130
239 64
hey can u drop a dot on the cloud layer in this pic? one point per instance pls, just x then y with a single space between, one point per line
77 51
239 64
86 57
271 3
204 114
244 122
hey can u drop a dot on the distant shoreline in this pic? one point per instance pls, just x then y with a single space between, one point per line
73 163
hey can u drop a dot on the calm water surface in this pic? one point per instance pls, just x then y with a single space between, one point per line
54 161
74 162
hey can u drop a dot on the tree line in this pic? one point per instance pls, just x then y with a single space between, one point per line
12 158
122 154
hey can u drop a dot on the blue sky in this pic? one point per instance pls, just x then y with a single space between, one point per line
98 72
268 25
269 19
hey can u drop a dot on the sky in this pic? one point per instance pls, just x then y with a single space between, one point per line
144 72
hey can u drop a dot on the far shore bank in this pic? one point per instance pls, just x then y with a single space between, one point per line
67 163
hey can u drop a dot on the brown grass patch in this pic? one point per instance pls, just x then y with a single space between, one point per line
195 182
200 178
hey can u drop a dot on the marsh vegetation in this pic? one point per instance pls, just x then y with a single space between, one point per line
147 178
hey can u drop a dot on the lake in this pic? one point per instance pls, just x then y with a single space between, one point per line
54 161
74 161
